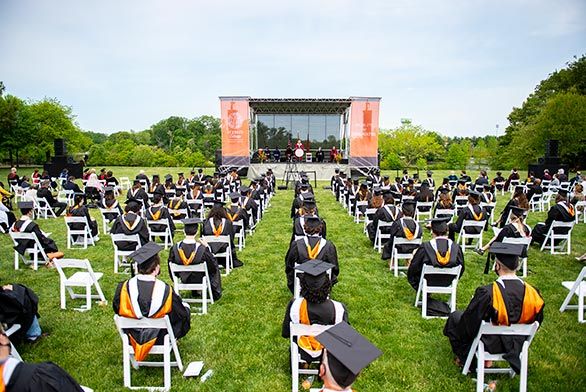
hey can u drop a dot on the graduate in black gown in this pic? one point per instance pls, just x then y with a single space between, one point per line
507 301
156 186
138 193
19 305
109 203
562 211
519 199
248 203
404 227
312 246
158 212
18 376
131 223
314 306
388 212
235 212
217 224
26 225
79 209
309 208
300 196
473 212
191 252
439 252
144 295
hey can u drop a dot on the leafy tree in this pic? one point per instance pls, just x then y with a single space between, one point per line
409 143
14 118
457 157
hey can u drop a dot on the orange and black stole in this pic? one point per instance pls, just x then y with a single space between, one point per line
532 305
142 348
313 252
307 342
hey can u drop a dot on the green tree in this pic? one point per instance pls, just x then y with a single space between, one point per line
457 156
410 144
14 126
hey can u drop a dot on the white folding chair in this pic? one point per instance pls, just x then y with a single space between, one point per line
520 241
296 331
297 283
43 208
168 347
226 254
177 214
124 183
368 215
477 349
580 210
545 200
196 206
535 204
565 238
239 233
578 288
380 236
65 196
396 256
33 252
425 288
501 185
120 255
86 278
463 236
419 214
358 215
489 207
460 203
205 287
445 212
86 232
10 331
107 222
157 232
512 185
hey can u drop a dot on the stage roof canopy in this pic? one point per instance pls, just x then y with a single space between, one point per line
300 105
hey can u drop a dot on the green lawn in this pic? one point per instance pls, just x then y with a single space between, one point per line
240 338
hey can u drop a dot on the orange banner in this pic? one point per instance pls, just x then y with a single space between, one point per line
364 132
235 131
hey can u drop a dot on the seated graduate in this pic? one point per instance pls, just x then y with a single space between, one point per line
397 186
472 211
444 202
514 176
409 188
498 181
507 301
425 195
248 203
110 179
314 306
142 176
304 191
70 185
158 212
145 296
562 211
534 189
217 224
404 227
465 177
178 203
169 185
519 199
18 376
190 252
363 194
303 182
439 252
79 209
19 305
26 225
137 193
312 246
346 353
194 192
55 204
387 212
308 208
181 181
156 186
444 187
110 203
461 189
235 211
130 223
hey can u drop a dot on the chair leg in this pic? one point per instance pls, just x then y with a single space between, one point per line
16 256
580 305
204 298
167 363
523 375
88 296
126 363
62 295
424 301
480 368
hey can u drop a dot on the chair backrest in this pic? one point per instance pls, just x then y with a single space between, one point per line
557 224
143 323
427 204
76 219
444 211
297 330
508 330
61 264
405 241
211 239
160 222
177 268
125 238
431 270
518 241
473 223
28 237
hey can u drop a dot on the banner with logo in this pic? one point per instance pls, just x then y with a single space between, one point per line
235 131
364 131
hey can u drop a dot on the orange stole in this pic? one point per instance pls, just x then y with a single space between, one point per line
217 230
476 217
532 304
2 386
313 252
156 215
232 217
186 260
307 342
408 234
443 260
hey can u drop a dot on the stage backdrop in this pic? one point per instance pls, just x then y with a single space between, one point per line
235 131
364 131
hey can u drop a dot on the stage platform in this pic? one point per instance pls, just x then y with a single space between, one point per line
323 171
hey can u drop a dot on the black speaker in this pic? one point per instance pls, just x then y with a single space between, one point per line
540 161
60 149
552 148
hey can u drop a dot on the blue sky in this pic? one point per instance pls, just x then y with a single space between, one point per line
456 67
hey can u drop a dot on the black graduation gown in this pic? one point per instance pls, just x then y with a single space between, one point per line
158 188
298 229
558 212
386 214
297 254
150 215
227 229
145 178
41 377
398 231
462 326
138 194
466 214
82 211
48 244
510 231
202 255
251 208
506 211
236 214
18 306
178 204
111 204
425 255
140 228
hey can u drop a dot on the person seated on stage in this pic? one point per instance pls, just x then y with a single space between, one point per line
562 211
19 305
217 224
333 154
142 176
444 202
439 252
519 199
79 209
158 212
145 296
26 225
177 203
190 252
507 301
18 376
425 195
314 307
312 246
346 353
472 211
70 185
138 193
387 212
404 227
7 218
45 193
276 154
130 223
319 155
308 208
236 212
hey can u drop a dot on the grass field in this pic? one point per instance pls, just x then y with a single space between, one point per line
240 338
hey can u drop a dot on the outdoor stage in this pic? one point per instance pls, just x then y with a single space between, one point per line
323 171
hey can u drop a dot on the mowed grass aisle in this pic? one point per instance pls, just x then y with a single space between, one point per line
240 338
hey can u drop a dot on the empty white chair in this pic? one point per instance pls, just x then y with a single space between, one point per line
463 236
578 288
521 241
168 347
535 202
10 331
125 183
33 252
85 278
477 349
420 214
226 254
298 330
396 256
85 232
239 233
165 233
564 238
205 287
120 255
425 288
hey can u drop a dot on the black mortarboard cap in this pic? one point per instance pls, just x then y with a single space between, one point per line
507 254
244 189
314 272
308 196
474 194
26 205
444 190
145 253
309 204
562 192
168 177
518 211
439 225
234 195
136 181
348 352
377 191
191 221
